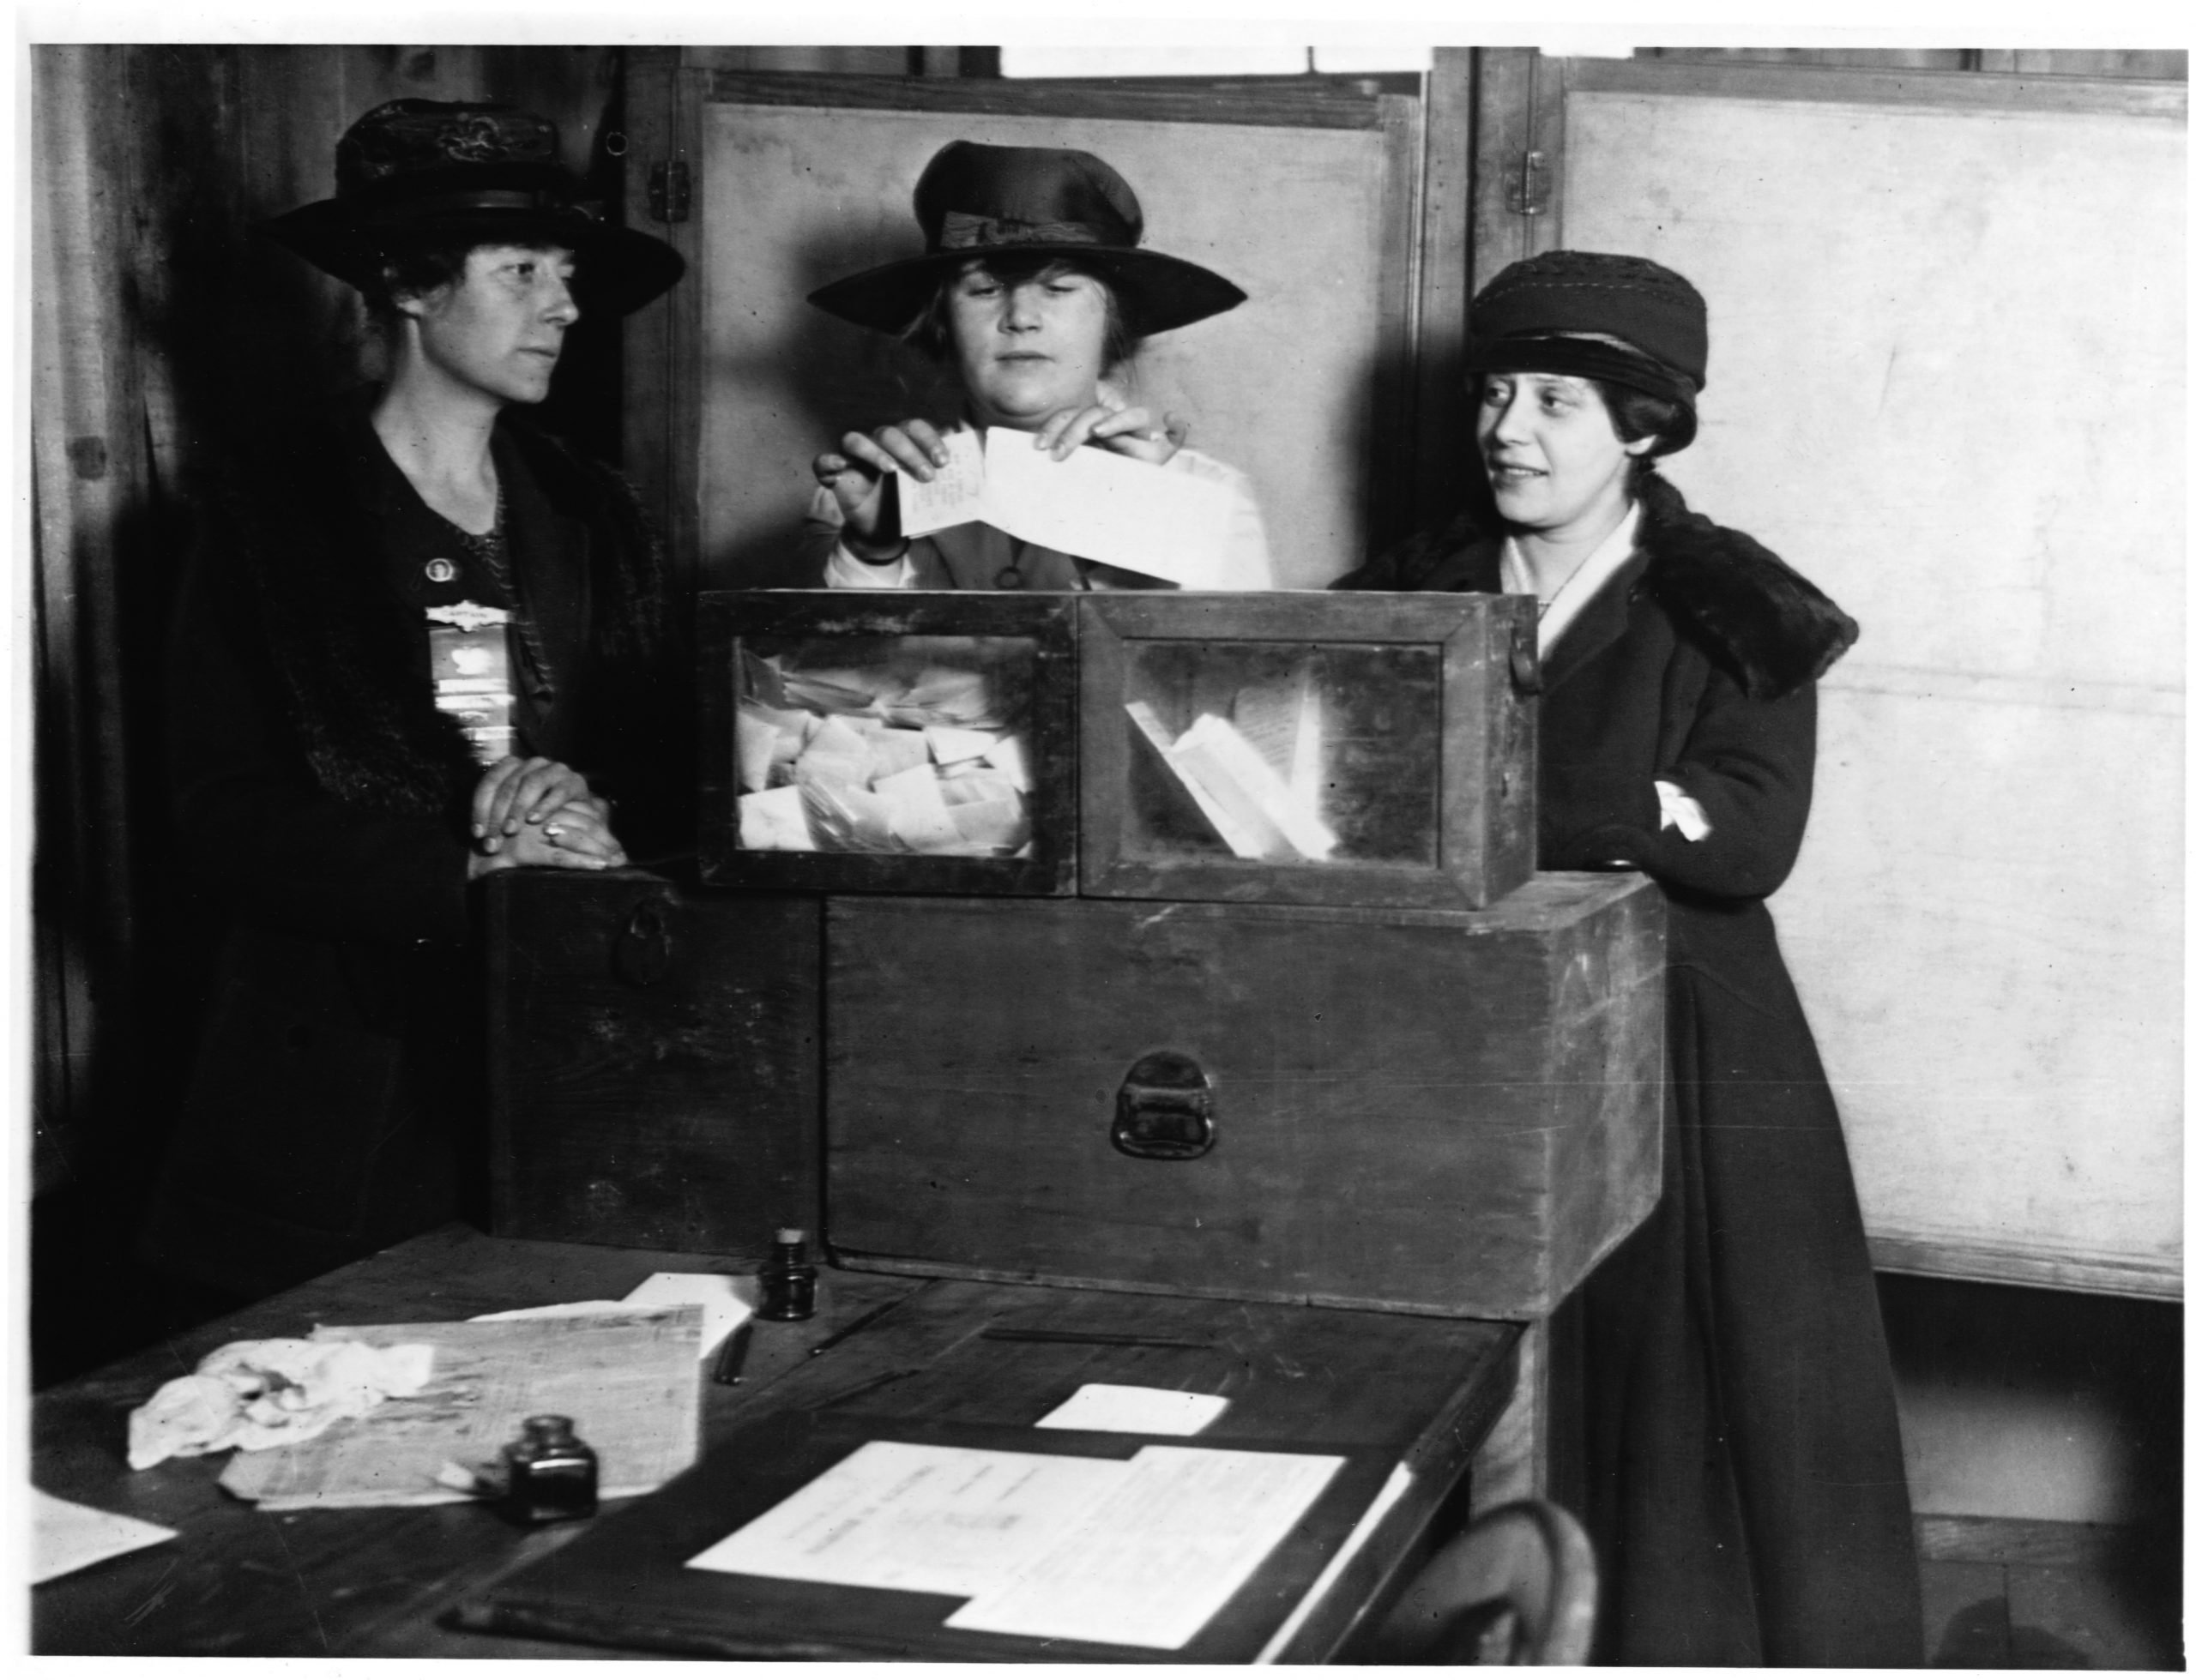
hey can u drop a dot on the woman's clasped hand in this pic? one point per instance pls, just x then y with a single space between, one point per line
536 811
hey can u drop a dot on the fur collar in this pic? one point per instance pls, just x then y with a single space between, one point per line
1770 627
340 651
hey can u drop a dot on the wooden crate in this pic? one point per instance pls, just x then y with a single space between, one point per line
1438 1111
1419 761
735 621
653 1059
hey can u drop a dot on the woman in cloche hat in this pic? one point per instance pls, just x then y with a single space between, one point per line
422 641
1035 289
1745 1488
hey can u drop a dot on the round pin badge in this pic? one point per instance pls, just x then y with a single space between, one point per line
441 571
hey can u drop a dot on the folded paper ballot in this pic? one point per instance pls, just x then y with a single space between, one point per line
1250 806
915 755
1095 505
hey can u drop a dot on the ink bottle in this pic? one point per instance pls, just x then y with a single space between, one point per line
552 1472
788 1279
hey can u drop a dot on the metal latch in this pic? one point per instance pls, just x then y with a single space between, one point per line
1163 1111
642 952
1525 659
671 192
1528 190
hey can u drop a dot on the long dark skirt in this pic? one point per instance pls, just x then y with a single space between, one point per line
1745 1488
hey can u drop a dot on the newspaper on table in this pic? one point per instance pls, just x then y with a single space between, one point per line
629 1381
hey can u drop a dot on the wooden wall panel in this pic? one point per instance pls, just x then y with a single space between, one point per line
162 322
1949 384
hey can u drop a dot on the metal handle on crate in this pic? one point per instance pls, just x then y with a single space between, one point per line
642 953
1525 662
1163 1110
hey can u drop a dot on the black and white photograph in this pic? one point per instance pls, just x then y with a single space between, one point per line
1144 847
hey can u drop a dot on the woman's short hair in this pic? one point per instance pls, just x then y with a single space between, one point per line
1638 414
932 330
410 271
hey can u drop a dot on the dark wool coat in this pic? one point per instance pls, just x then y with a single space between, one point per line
337 1104
1745 1486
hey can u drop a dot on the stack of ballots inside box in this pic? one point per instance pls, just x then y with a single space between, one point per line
920 748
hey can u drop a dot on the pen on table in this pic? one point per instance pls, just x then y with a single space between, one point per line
862 1323
861 1388
733 1354
1088 1338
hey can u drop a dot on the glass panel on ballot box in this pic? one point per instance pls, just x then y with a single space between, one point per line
876 741
915 745
1283 752
1352 750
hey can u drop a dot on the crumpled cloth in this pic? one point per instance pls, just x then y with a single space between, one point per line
270 1393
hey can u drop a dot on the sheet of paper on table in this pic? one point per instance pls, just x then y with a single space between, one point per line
726 1303
1141 1552
1097 505
1128 1410
66 1537
919 1519
627 1379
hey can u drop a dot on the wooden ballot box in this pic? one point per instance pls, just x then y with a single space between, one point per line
1173 942
653 1074
1439 1111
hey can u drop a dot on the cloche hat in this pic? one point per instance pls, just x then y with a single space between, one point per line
428 170
1599 315
1034 201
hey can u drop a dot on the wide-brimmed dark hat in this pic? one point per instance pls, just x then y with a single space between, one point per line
1030 201
1597 315
424 171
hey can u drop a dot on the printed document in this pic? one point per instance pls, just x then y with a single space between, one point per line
921 1519
1141 1552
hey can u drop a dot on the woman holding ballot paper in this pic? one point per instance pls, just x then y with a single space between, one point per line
1035 291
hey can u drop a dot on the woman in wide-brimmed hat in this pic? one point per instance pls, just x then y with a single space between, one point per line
423 640
1745 1486
1035 288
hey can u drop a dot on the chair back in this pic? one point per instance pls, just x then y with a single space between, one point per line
1518 1586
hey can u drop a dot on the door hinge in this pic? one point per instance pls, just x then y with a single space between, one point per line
671 192
1528 194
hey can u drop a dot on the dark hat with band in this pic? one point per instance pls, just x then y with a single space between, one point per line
1030 201
414 172
1596 315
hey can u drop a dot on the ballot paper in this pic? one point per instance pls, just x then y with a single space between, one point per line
916 752
627 1379
1132 1411
726 1303
1250 805
66 1537
1141 1552
1095 505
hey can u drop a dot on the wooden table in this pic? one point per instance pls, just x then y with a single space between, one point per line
1419 1392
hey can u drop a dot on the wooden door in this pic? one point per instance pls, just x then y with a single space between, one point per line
1947 381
